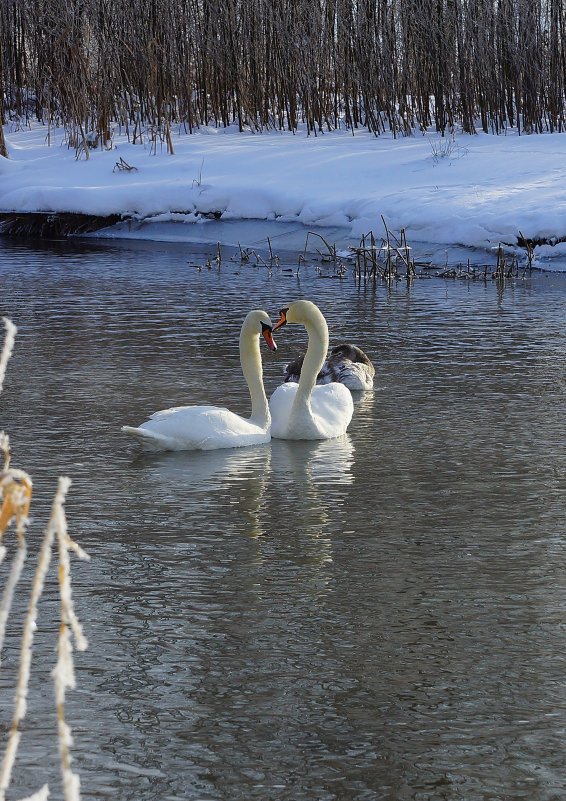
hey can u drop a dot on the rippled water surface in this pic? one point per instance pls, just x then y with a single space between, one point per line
377 617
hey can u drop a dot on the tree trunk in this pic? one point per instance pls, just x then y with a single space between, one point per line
3 148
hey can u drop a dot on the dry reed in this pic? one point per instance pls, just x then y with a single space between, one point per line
15 494
63 673
7 348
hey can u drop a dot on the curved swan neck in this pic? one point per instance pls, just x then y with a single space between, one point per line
317 348
250 359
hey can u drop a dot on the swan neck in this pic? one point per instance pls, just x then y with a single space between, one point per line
250 359
317 348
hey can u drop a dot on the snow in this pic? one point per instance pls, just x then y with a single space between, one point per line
470 191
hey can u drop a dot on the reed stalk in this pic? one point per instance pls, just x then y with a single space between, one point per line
22 682
9 587
41 795
63 673
7 348
15 494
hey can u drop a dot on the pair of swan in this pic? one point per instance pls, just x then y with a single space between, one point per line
300 410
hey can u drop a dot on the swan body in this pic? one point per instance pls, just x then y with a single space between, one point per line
304 410
211 427
346 364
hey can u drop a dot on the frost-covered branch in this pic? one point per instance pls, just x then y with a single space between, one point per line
22 683
41 795
8 594
63 673
15 496
7 348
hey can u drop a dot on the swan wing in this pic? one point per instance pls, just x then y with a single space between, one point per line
280 405
332 407
293 372
350 366
346 364
355 375
185 413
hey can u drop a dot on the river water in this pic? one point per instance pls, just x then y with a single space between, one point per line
375 617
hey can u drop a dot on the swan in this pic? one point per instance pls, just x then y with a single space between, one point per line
305 410
207 428
346 364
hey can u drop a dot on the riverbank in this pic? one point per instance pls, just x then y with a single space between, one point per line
463 191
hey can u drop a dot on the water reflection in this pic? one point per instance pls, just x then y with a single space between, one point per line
241 477
308 464
199 481
312 490
363 400
192 468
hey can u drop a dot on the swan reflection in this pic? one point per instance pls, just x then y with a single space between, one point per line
320 462
193 468
227 485
313 480
363 400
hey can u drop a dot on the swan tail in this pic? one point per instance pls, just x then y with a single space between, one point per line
150 439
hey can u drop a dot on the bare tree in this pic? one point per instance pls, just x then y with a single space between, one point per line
398 65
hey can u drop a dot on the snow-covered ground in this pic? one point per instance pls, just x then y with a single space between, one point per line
471 191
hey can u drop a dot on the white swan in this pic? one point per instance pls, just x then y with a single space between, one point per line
207 428
347 364
304 410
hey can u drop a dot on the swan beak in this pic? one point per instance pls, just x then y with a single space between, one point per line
267 333
282 320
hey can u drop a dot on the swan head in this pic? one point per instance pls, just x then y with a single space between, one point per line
300 311
258 323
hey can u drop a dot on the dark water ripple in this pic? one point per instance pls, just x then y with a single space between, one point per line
376 617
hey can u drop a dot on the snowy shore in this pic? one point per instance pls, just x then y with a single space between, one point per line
471 191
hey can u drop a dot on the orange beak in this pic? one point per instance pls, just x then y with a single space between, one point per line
282 320
268 336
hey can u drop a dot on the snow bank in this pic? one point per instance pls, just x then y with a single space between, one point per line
473 191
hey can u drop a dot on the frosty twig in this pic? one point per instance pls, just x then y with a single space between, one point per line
63 673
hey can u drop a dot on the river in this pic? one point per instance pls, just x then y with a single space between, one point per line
375 617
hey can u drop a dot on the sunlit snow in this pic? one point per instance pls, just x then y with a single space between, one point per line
473 191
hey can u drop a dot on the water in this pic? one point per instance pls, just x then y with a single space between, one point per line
379 617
